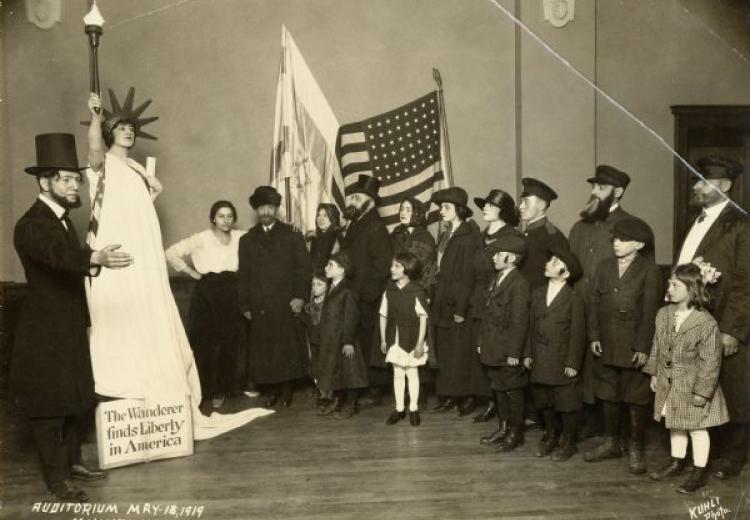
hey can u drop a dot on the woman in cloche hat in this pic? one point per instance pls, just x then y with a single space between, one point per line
456 248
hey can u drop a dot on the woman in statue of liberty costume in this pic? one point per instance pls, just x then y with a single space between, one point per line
139 348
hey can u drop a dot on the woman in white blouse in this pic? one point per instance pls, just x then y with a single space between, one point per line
214 324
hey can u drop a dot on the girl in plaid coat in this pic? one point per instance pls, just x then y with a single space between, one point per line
684 366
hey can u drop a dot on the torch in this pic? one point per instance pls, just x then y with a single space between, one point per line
93 22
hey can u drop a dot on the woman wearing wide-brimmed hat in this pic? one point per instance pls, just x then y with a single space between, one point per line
457 246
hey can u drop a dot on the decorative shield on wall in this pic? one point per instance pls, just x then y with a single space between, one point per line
44 13
559 12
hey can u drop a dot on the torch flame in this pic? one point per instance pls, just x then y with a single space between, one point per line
94 16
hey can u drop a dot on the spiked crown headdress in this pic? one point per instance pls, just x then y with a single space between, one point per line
126 113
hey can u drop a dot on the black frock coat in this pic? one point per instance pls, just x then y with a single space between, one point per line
726 246
50 373
274 268
369 247
339 320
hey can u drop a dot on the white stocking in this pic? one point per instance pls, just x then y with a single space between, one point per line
399 386
412 374
678 440
701 446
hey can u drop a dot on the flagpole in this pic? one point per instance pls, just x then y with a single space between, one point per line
444 125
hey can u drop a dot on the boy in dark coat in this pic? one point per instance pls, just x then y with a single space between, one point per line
556 341
51 381
502 340
342 365
625 295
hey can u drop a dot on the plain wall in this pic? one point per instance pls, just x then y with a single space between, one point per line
210 68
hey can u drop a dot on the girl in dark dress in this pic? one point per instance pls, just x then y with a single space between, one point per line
342 366
501 214
457 246
403 327
325 240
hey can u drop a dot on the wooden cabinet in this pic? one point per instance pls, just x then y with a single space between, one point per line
701 130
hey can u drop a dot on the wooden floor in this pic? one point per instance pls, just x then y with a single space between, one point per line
295 465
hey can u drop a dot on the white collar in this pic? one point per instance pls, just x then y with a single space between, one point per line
540 217
54 206
614 206
269 227
714 211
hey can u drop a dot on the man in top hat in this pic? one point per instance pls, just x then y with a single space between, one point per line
720 236
273 282
51 381
540 233
369 247
591 242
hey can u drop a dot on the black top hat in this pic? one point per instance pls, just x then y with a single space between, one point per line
563 252
367 184
606 174
633 229
55 152
537 188
509 243
717 167
265 195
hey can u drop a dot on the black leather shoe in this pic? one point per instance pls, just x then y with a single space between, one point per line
495 437
467 407
271 401
672 469
67 492
697 479
414 418
81 472
395 417
513 440
488 413
564 452
440 405
727 470
450 404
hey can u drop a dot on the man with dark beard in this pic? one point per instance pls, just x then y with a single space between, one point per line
368 245
51 380
591 242
720 236
273 282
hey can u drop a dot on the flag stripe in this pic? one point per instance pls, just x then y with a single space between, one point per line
406 192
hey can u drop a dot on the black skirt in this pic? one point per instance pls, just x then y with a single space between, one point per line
214 329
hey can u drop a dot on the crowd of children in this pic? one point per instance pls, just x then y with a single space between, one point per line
530 344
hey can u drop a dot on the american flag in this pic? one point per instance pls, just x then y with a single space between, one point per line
402 148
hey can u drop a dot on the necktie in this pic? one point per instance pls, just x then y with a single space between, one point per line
444 238
702 216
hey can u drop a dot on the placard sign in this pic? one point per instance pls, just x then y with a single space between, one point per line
129 431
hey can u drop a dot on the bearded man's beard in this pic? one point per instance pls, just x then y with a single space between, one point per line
353 213
597 209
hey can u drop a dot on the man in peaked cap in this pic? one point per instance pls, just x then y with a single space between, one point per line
720 235
540 233
591 242
51 380
368 245
273 282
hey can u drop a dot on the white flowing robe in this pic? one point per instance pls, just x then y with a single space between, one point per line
139 348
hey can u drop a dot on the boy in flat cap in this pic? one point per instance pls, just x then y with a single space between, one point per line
625 295
502 341
591 242
273 282
51 380
720 236
556 343
540 233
